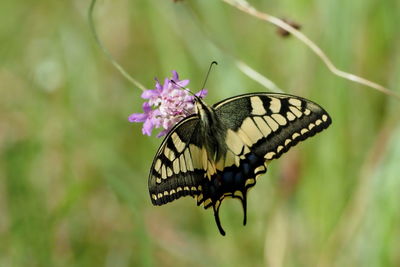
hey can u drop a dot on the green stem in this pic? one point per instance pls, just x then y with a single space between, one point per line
106 52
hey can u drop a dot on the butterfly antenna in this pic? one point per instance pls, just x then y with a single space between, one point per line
208 73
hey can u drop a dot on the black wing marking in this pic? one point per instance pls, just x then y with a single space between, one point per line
177 168
259 127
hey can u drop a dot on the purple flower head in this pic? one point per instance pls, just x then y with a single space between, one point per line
167 104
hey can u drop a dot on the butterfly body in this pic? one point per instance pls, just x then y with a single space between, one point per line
221 150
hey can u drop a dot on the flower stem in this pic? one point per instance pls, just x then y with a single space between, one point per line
106 52
244 6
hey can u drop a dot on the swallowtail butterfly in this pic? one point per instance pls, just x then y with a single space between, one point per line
220 150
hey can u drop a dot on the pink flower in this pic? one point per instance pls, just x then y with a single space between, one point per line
167 104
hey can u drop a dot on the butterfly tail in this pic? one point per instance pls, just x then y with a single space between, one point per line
244 204
217 220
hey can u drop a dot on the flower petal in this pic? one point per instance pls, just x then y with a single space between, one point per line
146 107
162 133
175 76
202 93
167 86
158 85
147 127
182 83
137 117
150 93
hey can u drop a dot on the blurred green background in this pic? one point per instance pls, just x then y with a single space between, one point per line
73 171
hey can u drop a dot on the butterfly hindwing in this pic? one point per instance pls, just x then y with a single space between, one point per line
177 169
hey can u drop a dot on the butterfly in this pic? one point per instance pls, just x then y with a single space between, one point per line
221 150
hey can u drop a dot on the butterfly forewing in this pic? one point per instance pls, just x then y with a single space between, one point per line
272 123
177 168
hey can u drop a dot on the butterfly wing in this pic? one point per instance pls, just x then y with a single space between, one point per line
177 168
258 127
269 124
250 130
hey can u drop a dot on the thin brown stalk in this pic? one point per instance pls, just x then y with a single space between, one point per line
244 6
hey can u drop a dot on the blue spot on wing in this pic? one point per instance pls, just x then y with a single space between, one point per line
227 177
253 159
246 168
239 179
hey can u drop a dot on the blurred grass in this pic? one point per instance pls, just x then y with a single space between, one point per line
73 171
